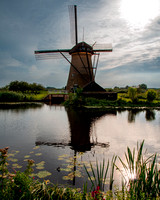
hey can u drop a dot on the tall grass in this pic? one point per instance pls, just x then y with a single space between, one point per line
98 177
141 174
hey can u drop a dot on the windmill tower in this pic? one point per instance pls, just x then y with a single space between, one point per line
82 67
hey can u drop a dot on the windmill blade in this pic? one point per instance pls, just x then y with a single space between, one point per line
73 24
51 54
102 47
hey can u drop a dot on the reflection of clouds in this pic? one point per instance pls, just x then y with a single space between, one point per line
120 134
50 125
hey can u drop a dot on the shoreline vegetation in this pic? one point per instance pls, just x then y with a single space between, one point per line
141 180
128 97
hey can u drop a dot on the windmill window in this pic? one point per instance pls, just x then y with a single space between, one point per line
72 75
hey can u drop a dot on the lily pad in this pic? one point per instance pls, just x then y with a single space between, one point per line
27 156
15 165
78 174
13 159
11 155
36 147
63 156
38 154
43 174
66 178
40 167
40 163
66 169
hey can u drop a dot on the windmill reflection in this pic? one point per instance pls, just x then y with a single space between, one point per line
80 132
80 122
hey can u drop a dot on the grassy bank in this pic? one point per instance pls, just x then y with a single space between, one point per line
75 101
9 96
141 180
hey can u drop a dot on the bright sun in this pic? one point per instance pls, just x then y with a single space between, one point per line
139 13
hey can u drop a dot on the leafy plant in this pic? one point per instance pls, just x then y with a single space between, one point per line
132 93
151 95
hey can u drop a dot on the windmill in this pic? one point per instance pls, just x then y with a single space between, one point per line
82 67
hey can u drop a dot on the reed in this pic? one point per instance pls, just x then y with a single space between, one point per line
99 175
141 175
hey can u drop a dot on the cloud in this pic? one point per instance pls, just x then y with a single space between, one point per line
7 61
30 25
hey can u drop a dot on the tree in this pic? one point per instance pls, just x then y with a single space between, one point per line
132 93
151 95
143 86
24 87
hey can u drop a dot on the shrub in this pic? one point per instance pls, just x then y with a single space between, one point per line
151 95
11 97
132 93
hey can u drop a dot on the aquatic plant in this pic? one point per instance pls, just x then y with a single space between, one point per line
142 175
98 177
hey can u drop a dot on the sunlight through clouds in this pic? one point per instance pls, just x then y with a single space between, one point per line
139 13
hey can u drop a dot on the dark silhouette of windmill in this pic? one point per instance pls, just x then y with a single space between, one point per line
82 67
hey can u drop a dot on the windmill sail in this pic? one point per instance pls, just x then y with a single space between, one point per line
73 23
51 54
102 47
82 69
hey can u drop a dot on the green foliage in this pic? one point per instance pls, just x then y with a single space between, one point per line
24 87
132 93
11 97
75 100
151 95
143 86
142 174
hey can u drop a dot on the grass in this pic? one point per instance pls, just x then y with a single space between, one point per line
9 96
141 180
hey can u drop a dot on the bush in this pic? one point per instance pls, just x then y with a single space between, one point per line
151 95
132 93
11 97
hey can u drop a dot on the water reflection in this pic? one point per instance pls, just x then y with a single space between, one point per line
20 107
132 115
75 131
150 115
80 123
80 128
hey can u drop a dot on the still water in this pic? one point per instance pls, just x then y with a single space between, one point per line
61 140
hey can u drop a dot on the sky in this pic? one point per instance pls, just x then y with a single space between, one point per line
131 26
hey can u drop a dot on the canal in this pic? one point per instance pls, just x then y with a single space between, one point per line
61 140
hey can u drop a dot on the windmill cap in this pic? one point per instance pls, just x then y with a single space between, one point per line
81 47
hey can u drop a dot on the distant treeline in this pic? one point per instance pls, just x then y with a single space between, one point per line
24 87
